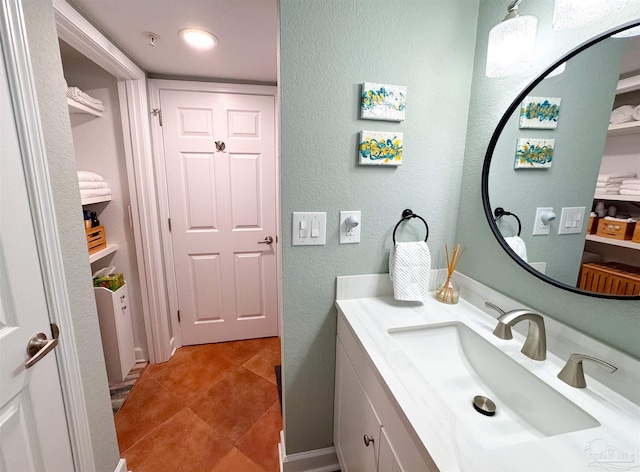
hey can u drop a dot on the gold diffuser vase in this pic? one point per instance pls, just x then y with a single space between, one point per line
448 290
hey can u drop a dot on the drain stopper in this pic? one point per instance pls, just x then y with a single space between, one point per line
484 405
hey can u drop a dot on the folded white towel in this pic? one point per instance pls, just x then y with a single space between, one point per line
89 185
622 114
623 175
631 181
636 113
409 270
95 192
607 185
88 176
607 191
74 93
630 187
518 245
629 192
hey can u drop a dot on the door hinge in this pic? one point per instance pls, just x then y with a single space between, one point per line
169 221
157 112
179 316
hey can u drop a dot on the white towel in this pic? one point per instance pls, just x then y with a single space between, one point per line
74 93
607 191
621 114
90 185
518 245
630 187
409 270
606 185
636 113
88 176
95 192
631 181
629 192
610 177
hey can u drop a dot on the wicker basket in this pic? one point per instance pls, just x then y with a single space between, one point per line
96 239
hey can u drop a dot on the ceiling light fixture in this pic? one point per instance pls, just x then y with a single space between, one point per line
570 14
198 39
511 43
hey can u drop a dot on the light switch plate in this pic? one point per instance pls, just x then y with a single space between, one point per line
538 226
316 223
571 220
354 235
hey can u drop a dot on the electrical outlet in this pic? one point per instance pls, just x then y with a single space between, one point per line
539 227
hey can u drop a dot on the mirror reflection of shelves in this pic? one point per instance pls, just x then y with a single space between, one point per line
614 242
618 198
622 129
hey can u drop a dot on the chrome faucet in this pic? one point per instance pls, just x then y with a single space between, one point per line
535 346
573 373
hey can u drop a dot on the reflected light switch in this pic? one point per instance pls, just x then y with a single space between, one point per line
303 229
315 229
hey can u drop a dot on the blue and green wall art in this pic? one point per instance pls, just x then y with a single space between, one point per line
534 153
383 102
539 113
380 148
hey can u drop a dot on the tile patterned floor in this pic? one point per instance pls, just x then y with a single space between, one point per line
211 408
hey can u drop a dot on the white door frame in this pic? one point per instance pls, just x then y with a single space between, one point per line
155 86
30 136
76 31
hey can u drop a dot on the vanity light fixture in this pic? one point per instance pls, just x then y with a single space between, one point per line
198 39
511 43
571 14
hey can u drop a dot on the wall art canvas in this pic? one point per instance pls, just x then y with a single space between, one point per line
383 102
539 113
380 148
534 153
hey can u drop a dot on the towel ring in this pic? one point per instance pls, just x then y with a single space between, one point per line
407 215
500 212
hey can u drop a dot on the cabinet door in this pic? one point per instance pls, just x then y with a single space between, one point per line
388 461
124 329
354 420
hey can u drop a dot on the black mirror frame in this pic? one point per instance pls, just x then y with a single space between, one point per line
488 211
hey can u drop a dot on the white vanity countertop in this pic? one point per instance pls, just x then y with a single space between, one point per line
615 445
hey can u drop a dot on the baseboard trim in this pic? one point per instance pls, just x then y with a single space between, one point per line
122 466
141 355
318 460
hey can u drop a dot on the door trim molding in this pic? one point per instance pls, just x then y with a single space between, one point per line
155 87
75 30
318 460
30 135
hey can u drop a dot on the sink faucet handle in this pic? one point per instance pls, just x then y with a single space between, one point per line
494 307
573 372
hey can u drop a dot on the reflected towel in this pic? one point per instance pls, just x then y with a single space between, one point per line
630 187
88 176
609 178
90 185
636 113
629 192
94 192
518 245
622 114
409 270
631 182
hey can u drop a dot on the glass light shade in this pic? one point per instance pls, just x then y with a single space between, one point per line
511 46
198 39
570 14
635 31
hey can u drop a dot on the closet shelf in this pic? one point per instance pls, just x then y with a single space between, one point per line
92 200
79 108
110 249
618 198
621 129
613 242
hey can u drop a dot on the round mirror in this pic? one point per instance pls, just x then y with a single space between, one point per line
561 177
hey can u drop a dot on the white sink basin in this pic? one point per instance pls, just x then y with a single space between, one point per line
458 364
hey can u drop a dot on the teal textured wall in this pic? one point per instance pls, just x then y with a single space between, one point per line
614 322
328 49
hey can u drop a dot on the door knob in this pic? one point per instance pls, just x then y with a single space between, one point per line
368 440
220 146
267 240
39 346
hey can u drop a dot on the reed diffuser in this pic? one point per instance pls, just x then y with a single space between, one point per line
448 291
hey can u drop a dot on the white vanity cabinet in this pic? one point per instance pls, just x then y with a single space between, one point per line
116 331
364 408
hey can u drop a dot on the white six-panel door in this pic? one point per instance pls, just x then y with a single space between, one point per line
221 182
33 429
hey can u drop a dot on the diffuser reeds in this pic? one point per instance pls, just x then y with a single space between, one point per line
449 292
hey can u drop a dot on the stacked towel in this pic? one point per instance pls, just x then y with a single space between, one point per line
610 184
77 95
630 187
92 185
409 270
518 245
622 114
